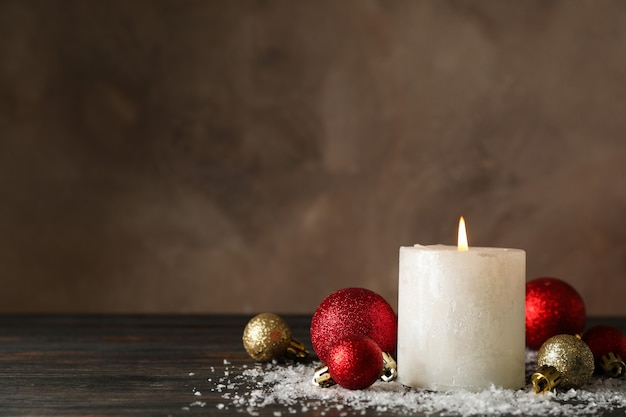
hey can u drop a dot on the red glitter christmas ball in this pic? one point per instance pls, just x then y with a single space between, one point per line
355 362
552 307
353 311
604 339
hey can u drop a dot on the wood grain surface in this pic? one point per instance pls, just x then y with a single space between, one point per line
139 365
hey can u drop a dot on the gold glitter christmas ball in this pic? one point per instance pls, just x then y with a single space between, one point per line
266 337
570 356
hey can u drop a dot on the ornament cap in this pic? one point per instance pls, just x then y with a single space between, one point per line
613 365
545 379
322 378
390 368
296 350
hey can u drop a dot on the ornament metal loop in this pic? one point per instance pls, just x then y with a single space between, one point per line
390 368
613 365
322 378
545 379
296 350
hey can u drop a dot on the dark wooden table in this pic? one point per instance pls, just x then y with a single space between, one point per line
133 365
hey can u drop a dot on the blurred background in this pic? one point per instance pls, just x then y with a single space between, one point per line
248 156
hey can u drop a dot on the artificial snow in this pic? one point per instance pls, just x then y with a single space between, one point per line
289 388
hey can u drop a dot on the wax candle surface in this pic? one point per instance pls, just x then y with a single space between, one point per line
461 318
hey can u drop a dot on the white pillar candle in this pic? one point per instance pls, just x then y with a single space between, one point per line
461 318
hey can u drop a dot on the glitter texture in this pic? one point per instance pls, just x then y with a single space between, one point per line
355 362
266 337
552 307
353 311
570 356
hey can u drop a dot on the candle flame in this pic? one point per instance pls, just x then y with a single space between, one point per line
462 240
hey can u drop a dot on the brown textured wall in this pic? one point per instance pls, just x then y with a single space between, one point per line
242 156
